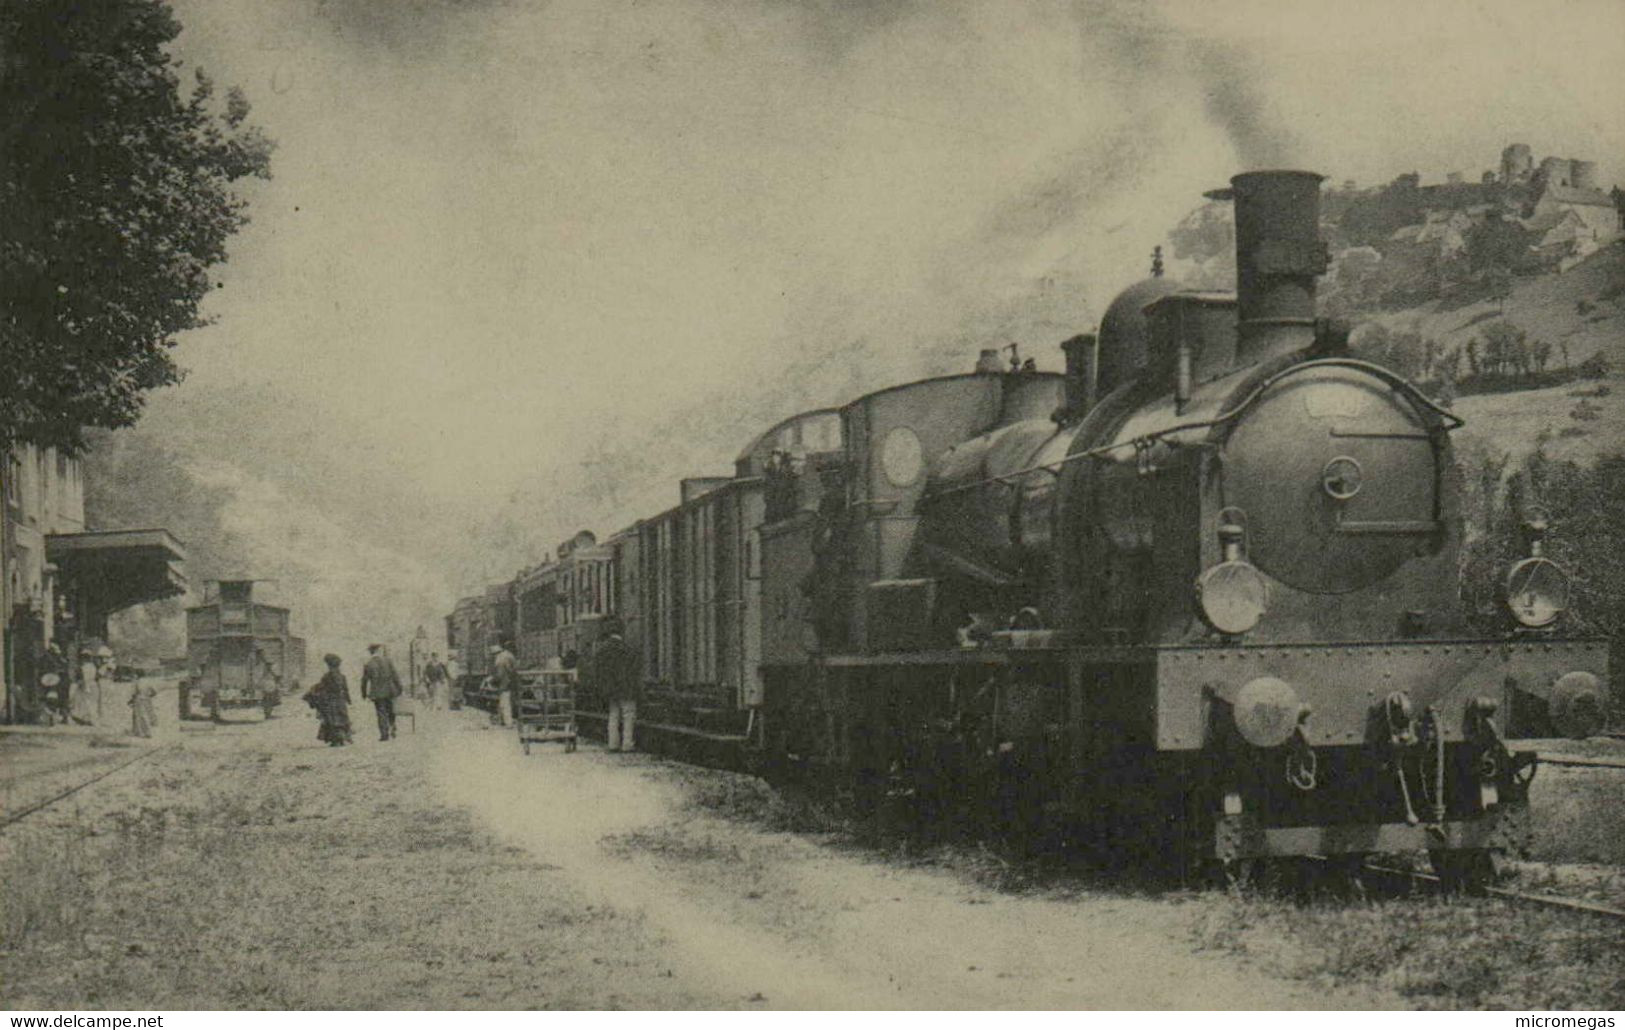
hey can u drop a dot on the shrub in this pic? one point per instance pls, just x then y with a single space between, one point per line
1585 411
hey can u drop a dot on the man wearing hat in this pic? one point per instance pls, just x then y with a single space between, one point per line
381 685
617 675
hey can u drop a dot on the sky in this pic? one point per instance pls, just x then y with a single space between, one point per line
523 265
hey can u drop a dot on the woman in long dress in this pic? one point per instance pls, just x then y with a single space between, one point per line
85 690
143 716
331 699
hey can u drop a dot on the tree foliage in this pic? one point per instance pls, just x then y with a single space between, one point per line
1496 245
116 200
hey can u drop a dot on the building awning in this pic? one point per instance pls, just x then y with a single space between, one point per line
110 571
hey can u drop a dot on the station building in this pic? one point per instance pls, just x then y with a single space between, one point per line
61 580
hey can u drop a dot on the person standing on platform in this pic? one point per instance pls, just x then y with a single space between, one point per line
454 683
505 677
434 679
331 699
143 716
106 667
86 687
381 685
617 676
55 681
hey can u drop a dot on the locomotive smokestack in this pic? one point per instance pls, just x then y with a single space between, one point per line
1279 255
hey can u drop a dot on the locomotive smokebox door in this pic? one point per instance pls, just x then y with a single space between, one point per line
1339 475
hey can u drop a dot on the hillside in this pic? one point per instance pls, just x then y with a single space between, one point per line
1583 307
1515 423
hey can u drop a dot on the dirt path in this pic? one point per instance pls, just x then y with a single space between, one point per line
249 867
751 913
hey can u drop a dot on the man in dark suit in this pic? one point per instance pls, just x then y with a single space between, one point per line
381 685
617 675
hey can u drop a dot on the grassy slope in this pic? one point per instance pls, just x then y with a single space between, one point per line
1546 306
1513 422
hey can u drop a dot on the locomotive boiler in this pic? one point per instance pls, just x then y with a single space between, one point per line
1197 597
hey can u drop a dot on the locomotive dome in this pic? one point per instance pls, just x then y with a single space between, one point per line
1123 331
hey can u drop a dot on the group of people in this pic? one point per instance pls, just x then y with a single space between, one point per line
614 671
80 694
330 697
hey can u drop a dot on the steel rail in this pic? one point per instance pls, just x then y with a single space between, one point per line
1580 763
1547 900
16 817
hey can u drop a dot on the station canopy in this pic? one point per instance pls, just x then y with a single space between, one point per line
112 570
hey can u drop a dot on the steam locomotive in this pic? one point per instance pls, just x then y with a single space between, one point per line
1195 599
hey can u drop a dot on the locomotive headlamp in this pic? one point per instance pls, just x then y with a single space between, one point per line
1537 588
1233 595
1267 711
1537 592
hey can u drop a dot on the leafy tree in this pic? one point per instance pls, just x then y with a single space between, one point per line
1372 218
1498 284
1451 364
1356 282
1446 394
116 198
1496 243
1594 367
1505 348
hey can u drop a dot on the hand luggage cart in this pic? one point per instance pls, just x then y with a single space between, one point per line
547 708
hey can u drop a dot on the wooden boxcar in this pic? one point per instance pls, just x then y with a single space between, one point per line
686 585
239 653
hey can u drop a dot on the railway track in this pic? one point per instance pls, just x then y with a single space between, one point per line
12 818
1518 897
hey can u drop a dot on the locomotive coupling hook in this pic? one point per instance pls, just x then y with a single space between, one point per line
1302 765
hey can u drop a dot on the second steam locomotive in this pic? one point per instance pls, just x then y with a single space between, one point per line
1195 598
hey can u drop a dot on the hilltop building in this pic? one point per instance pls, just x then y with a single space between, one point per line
1557 202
